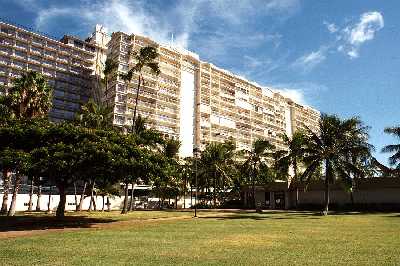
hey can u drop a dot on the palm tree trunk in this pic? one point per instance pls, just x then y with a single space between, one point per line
214 190
17 184
326 208
39 195
136 102
63 199
6 188
254 190
30 203
82 197
184 193
125 207
295 180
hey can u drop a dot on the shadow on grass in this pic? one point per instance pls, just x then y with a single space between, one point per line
32 222
267 216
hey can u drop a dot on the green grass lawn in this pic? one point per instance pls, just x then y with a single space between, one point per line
164 238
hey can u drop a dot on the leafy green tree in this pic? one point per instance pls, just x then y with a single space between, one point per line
330 148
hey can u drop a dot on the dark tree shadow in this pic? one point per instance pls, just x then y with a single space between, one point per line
34 222
270 215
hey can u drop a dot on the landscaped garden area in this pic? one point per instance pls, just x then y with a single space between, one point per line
217 238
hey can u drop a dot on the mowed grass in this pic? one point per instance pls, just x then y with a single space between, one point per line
216 238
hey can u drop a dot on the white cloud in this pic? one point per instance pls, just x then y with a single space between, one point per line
365 30
332 28
183 18
300 91
296 95
309 61
352 37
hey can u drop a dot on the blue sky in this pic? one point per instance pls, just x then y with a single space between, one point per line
340 57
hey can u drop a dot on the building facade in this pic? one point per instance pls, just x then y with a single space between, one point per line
191 100
197 102
70 64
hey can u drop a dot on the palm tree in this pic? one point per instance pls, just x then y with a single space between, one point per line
146 57
292 156
257 160
394 148
29 97
214 161
95 116
109 67
331 147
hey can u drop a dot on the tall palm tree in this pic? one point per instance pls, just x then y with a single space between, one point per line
256 160
145 58
292 156
29 97
394 148
213 165
109 67
331 147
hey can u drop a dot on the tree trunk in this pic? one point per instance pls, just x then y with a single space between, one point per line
30 203
326 208
6 188
17 184
92 203
191 195
103 203
108 204
75 196
39 195
49 203
79 208
295 180
125 207
131 203
254 191
214 190
184 194
63 199
136 102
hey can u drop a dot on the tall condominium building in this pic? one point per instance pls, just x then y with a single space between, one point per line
191 100
197 102
70 64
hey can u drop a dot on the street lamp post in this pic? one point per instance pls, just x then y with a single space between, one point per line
195 150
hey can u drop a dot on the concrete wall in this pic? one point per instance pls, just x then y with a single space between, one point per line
378 196
116 202
372 191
